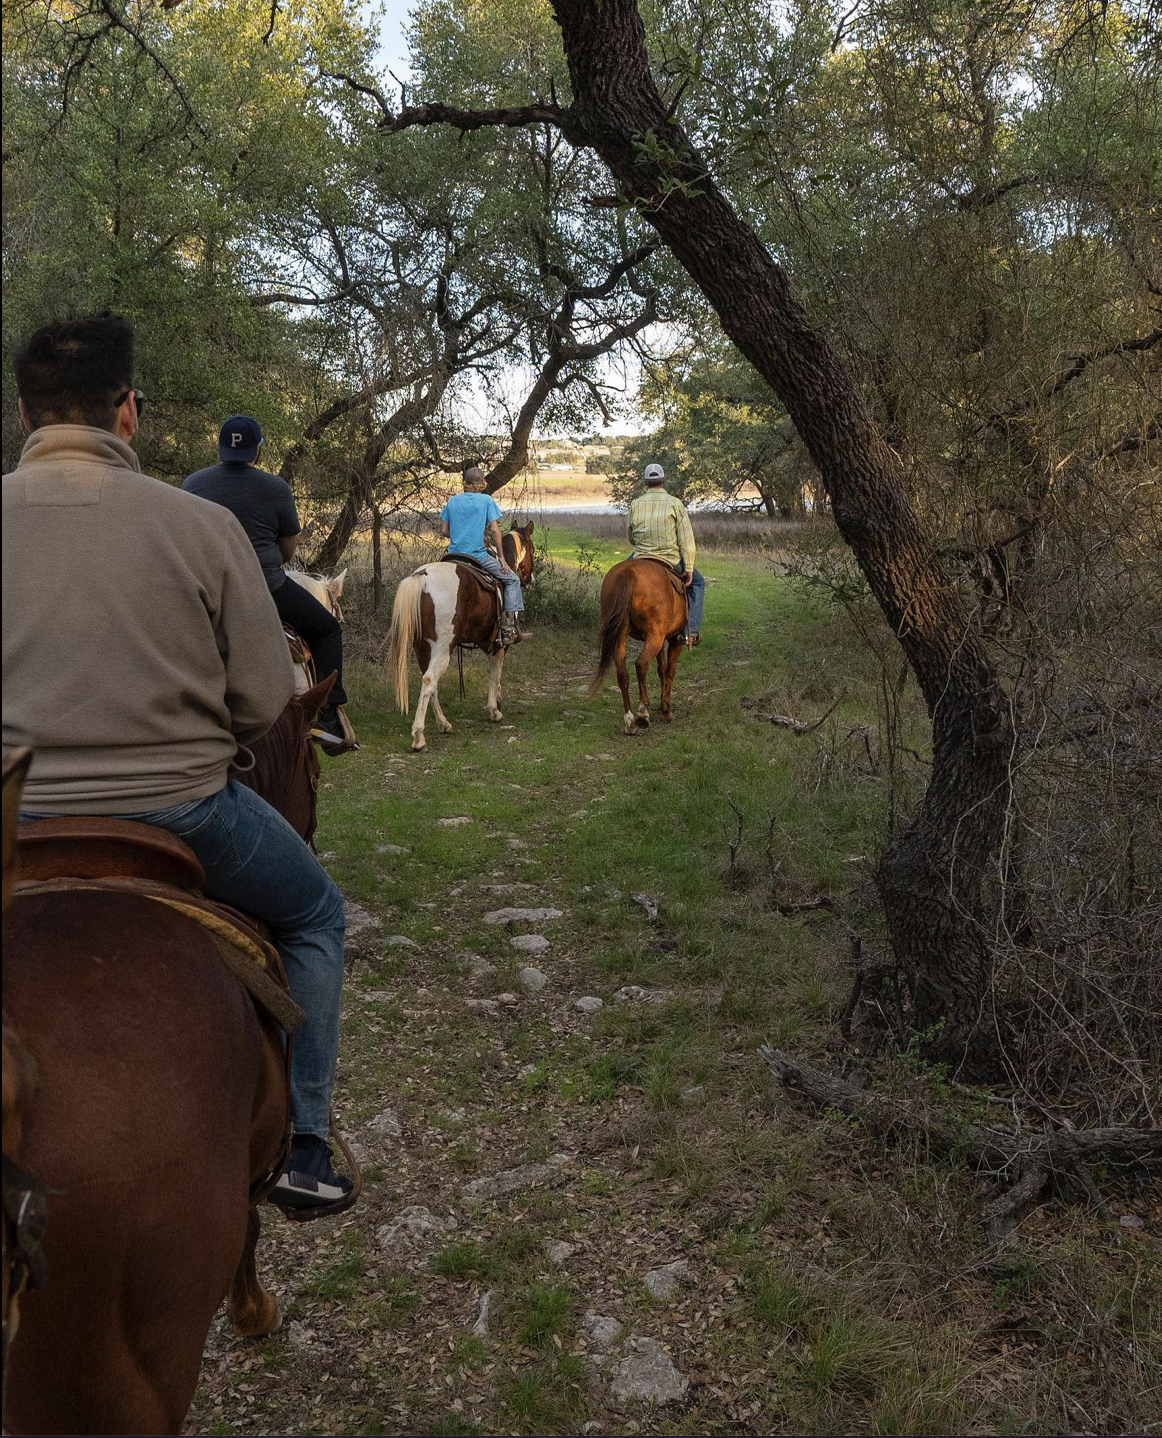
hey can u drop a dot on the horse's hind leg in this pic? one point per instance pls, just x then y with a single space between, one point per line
444 723
437 663
623 684
650 649
495 666
251 1310
673 654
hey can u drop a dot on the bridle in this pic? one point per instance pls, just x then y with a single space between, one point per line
25 1217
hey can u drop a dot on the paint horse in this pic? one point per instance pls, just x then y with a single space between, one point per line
443 607
145 1098
326 591
646 599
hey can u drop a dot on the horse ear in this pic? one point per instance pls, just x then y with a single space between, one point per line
311 700
529 527
335 584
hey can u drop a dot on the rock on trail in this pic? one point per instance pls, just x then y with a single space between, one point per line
529 943
532 980
601 1331
513 1180
412 1228
386 1124
589 1004
647 1375
635 994
522 916
662 1282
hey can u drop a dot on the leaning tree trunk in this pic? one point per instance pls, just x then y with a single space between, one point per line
931 877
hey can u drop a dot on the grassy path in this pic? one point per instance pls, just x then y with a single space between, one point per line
827 1287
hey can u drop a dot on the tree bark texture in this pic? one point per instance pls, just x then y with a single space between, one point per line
931 876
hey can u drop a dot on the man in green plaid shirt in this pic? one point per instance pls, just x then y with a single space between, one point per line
659 528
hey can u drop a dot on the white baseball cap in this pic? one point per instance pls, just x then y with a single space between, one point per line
654 471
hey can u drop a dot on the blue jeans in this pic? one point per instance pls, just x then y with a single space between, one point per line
254 860
695 596
513 598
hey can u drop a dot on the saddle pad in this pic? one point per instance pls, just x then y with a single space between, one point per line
675 579
72 846
242 949
465 562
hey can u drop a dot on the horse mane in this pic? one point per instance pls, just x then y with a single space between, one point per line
508 544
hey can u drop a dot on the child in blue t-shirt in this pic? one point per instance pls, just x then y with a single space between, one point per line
465 519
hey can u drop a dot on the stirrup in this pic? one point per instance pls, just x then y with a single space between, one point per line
342 743
340 1205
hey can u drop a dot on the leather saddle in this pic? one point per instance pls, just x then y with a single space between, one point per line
80 852
486 581
675 579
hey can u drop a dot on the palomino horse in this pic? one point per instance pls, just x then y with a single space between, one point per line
148 1099
645 599
442 607
326 591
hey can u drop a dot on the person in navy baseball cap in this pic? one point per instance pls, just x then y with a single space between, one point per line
240 440
264 506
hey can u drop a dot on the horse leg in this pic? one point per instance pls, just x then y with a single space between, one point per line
437 663
495 665
623 685
444 723
252 1311
649 650
673 654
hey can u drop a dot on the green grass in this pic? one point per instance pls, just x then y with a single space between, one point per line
540 1313
843 1277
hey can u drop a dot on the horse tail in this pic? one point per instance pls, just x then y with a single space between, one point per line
405 630
614 622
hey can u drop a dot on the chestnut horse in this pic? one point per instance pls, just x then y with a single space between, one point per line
439 608
148 1097
642 598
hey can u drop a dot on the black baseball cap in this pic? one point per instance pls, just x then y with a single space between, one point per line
239 439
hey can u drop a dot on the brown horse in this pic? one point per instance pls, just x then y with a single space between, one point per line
442 607
149 1099
642 598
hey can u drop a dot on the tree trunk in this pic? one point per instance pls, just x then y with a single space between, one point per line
931 877
376 557
361 489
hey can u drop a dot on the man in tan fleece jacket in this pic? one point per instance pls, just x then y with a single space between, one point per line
140 648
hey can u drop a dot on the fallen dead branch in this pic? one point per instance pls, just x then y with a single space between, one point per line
1025 1165
795 725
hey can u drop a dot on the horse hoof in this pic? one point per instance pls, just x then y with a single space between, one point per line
630 724
495 716
445 727
418 748
260 1322
643 721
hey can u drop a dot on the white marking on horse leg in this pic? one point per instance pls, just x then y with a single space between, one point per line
495 665
434 673
442 584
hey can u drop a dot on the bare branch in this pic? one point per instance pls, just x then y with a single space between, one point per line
463 120
372 91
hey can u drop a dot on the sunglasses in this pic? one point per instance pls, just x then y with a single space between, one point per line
138 400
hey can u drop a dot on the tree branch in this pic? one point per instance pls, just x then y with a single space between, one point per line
464 120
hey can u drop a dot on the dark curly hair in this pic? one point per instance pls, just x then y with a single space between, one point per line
72 372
